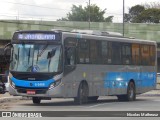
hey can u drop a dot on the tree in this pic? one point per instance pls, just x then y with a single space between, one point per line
127 17
109 19
78 13
133 13
152 5
143 14
151 15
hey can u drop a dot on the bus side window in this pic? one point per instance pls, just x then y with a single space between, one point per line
145 54
126 54
116 53
136 59
83 51
70 56
152 55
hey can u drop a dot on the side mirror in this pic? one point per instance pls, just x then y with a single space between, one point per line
7 50
8 46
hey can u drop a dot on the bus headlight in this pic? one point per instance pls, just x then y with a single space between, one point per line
56 83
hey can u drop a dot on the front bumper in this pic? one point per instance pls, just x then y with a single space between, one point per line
53 93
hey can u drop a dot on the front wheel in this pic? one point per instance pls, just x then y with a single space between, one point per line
82 96
36 100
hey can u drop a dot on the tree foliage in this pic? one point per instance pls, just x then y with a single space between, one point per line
152 5
78 13
134 12
151 15
148 13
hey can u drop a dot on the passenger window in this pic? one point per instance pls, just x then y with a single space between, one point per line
109 61
116 53
93 52
104 45
70 56
152 55
145 54
83 52
135 54
126 54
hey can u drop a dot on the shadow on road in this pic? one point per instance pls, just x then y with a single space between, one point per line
70 102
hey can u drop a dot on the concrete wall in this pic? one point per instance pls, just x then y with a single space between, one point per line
141 31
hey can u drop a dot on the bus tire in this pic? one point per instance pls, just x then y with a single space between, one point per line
36 100
82 95
131 93
93 98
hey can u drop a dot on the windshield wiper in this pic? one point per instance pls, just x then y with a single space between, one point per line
29 54
37 56
50 55
18 58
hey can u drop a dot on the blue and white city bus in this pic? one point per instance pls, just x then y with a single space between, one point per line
61 64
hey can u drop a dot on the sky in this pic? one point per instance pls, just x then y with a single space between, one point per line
56 9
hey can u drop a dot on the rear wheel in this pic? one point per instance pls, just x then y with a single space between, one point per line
82 96
131 93
36 100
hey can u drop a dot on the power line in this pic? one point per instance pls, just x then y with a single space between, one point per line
33 5
49 7
46 15
15 15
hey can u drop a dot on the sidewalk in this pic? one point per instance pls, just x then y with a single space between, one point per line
7 97
152 93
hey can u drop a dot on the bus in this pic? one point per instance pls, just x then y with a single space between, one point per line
80 65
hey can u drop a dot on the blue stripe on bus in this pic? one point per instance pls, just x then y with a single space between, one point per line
121 79
32 84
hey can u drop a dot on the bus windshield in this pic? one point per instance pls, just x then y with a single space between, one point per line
35 58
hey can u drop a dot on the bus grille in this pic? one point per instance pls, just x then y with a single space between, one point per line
24 90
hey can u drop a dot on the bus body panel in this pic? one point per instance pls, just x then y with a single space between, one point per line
102 79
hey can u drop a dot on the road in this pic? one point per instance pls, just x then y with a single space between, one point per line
143 103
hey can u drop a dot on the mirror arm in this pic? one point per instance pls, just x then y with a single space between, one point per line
9 45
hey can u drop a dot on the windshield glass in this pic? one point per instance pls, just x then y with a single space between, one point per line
36 58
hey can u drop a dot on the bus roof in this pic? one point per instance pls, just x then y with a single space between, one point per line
98 32
94 34
108 38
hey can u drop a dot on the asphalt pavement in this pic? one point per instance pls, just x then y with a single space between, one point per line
7 97
147 101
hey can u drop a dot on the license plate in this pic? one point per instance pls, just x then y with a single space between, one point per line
31 92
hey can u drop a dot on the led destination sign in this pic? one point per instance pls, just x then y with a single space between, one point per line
36 36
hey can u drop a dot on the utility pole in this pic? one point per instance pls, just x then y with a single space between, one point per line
123 17
89 20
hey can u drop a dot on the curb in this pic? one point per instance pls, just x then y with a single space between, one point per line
150 95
